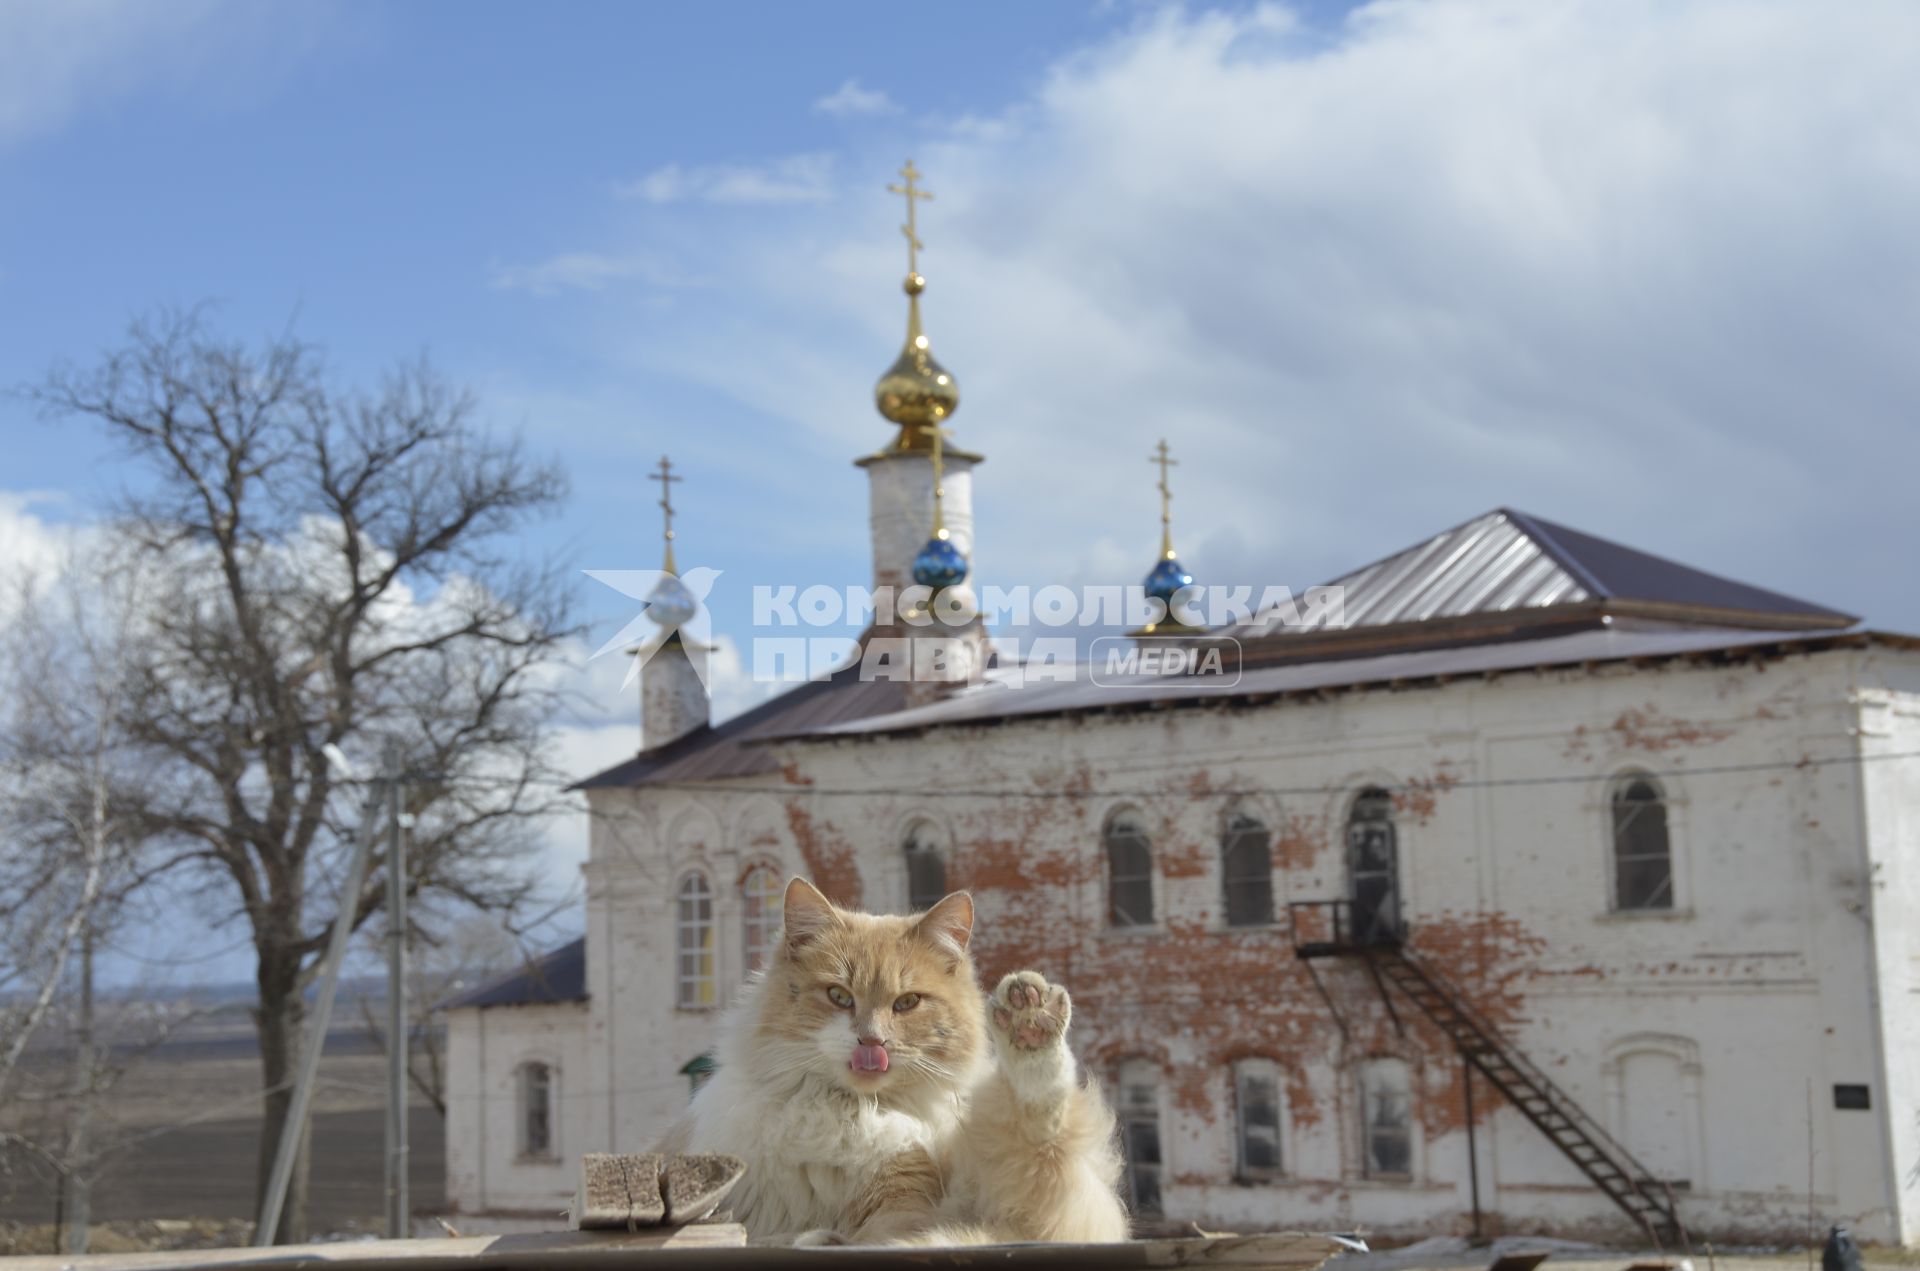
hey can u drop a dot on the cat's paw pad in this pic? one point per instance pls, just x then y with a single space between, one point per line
1029 1013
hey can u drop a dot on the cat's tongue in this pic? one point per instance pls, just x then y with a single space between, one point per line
869 1059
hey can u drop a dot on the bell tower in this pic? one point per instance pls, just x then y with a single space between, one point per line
920 488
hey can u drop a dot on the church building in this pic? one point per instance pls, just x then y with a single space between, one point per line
1556 887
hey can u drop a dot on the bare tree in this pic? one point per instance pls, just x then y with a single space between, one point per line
76 814
339 571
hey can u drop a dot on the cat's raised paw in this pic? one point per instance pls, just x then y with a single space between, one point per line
1029 1013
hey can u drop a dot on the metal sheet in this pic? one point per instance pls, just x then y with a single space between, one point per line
1003 701
559 976
1506 561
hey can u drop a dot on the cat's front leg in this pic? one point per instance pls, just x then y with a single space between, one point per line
1038 1144
1029 1028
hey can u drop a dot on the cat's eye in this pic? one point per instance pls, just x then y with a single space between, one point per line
906 1002
840 997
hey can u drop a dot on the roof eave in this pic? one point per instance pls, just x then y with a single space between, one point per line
1812 641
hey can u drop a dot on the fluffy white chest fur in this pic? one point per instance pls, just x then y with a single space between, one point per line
809 1147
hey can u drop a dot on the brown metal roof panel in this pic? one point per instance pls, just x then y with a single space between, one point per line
993 703
729 750
1506 561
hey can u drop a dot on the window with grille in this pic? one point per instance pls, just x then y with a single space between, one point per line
1129 871
926 866
694 981
1386 1119
760 897
1642 854
1246 857
1139 1114
1256 1108
536 1109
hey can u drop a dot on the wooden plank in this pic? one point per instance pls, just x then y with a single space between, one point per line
618 1192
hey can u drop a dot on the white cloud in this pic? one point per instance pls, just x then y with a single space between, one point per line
1643 267
800 178
850 100
59 60
587 271
33 551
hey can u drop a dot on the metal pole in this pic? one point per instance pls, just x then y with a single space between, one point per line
295 1127
399 1207
1473 1152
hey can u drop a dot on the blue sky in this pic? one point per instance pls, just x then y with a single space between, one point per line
1645 268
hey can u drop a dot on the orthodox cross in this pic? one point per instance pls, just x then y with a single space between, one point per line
910 192
1165 460
666 479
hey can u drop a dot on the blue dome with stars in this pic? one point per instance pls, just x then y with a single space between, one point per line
1166 579
939 564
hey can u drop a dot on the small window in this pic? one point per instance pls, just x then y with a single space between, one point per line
1129 871
536 1110
926 866
760 897
693 942
1852 1098
1256 1104
1642 855
1386 1119
1247 868
1139 1114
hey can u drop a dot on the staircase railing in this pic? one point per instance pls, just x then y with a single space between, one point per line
1326 929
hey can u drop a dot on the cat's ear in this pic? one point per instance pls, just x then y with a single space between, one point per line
805 913
949 924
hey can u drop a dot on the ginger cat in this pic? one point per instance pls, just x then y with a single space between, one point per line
878 1096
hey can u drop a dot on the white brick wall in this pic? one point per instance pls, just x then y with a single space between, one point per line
1695 1033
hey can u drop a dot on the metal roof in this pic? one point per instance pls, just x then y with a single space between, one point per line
1508 562
717 753
1504 562
1001 700
560 976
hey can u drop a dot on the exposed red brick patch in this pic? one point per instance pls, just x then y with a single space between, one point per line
1297 845
829 859
1418 797
1651 731
1185 859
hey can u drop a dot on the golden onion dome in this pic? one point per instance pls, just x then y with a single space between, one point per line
916 393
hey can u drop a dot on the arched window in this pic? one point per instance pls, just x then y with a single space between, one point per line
1642 855
1139 1113
693 943
1246 859
1129 870
536 1109
760 896
1386 1118
926 865
1373 867
1256 1114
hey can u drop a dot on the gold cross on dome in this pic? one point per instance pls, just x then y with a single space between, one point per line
1163 458
911 192
666 479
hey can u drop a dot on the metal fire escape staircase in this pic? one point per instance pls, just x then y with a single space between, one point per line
1325 929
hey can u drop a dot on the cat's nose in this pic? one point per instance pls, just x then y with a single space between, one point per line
871 1039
